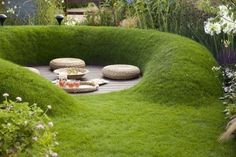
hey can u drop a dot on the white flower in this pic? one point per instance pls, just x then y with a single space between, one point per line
50 124
212 28
223 10
216 68
49 107
40 126
9 2
226 89
53 154
26 122
3 2
15 7
18 99
11 11
5 95
35 138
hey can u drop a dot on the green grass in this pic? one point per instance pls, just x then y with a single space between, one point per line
173 111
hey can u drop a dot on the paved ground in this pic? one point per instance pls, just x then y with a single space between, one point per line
95 72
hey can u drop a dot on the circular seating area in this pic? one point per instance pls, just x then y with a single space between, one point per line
177 81
164 58
121 72
66 63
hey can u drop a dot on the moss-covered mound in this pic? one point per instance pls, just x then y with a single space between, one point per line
173 111
175 69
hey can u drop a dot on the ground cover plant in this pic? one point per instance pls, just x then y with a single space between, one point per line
173 111
24 127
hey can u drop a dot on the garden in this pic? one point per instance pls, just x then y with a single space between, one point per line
118 78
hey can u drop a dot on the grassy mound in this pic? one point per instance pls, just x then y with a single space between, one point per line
176 70
173 111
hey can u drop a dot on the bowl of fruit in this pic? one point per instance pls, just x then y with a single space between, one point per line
72 73
75 86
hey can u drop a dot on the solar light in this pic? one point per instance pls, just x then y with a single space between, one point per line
59 18
3 17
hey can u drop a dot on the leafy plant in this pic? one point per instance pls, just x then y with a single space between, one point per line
31 12
25 129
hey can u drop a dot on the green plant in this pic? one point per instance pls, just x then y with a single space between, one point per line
38 12
25 128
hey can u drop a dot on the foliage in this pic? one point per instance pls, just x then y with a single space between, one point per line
38 12
24 127
174 106
184 17
223 24
229 100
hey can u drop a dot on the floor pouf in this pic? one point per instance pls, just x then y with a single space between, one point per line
121 72
33 70
66 63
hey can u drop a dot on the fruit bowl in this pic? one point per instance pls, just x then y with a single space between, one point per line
72 73
74 86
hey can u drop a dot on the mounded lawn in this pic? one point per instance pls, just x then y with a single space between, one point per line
173 111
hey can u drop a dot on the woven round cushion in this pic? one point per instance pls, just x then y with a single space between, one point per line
33 70
121 72
66 63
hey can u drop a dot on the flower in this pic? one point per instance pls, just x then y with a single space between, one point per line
53 154
50 124
3 2
212 27
35 138
223 10
5 95
49 107
11 11
40 126
216 68
18 99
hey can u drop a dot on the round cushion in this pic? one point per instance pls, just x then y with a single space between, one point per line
121 72
66 63
33 70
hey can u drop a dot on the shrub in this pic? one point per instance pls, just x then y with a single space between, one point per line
31 12
25 129
184 17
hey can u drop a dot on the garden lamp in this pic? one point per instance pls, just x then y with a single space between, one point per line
3 17
59 18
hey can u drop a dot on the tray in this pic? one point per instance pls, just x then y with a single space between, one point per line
85 86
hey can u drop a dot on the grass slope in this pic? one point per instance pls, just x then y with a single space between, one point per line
174 111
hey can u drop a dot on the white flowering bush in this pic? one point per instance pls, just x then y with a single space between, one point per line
25 129
223 25
228 99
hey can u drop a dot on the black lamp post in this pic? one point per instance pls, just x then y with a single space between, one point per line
59 19
3 17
